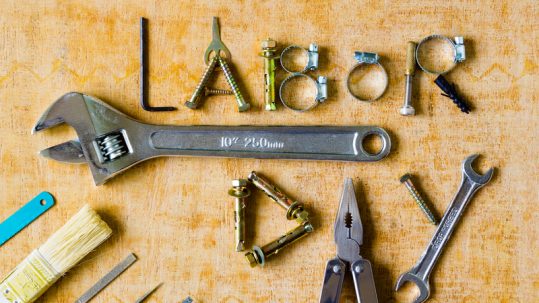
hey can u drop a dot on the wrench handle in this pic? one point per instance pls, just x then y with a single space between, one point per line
269 142
446 227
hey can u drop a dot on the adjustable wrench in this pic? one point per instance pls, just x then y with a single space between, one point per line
110 142
419 274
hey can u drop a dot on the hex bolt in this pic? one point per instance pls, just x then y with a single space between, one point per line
294 209
194 101
242 104
268 53
240 192
407 109
259 255
407 181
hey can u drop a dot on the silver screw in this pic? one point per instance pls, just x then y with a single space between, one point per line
407 181
194 101
242 104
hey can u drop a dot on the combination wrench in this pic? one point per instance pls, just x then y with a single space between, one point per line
110 142
419 274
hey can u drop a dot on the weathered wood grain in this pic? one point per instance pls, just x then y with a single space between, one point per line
174 213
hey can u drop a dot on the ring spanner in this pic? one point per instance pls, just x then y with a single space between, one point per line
419 274
110 142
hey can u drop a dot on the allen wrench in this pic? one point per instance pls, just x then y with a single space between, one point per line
144 71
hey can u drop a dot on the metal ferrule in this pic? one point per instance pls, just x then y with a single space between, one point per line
259 255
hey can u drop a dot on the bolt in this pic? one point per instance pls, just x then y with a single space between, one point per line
215 91
242 104
407 109
407 181
259 254
268 53
240 192
193 102
294 209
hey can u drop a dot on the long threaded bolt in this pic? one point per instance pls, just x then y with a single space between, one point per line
407 109
242 104
407 181
216 91
240 192
294 209
259 255
195 98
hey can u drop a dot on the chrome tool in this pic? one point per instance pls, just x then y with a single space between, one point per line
348 235
107 279
420 273
147 294
25 215
110 142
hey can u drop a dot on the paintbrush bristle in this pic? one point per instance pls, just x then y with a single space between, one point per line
77 238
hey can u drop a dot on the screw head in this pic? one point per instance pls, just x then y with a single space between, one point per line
336 269
407 110
269 43
405 178
358 269
239 183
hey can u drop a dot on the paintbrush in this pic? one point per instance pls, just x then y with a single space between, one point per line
63 250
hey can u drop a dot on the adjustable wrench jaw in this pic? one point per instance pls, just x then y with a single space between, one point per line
94 122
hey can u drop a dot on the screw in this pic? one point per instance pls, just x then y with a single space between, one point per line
259 254
407 109
242 104
268 53
407 181
336 269
294 209
195 98
216 91
240 192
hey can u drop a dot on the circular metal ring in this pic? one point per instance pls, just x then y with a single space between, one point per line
291 47
359 65
436 37
286 104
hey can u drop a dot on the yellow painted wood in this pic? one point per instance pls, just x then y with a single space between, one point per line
175 214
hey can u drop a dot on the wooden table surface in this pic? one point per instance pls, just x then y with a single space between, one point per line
175 214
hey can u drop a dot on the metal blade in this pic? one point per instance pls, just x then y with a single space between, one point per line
69 151
146 295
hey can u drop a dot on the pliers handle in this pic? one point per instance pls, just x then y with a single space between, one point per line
363 281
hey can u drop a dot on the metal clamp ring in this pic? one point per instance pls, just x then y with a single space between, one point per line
459 52
312 56
363 60
321 91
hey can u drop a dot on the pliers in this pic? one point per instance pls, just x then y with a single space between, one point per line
348 238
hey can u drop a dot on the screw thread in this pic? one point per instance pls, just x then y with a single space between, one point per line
242 104
216 91
193 102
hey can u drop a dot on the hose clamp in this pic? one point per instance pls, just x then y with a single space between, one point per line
365 58
459 52
321 91
312 58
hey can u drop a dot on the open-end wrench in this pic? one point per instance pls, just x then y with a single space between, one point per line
419 274
110 142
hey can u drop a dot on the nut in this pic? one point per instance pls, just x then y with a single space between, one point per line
268 43
302 216
251 258
239 183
